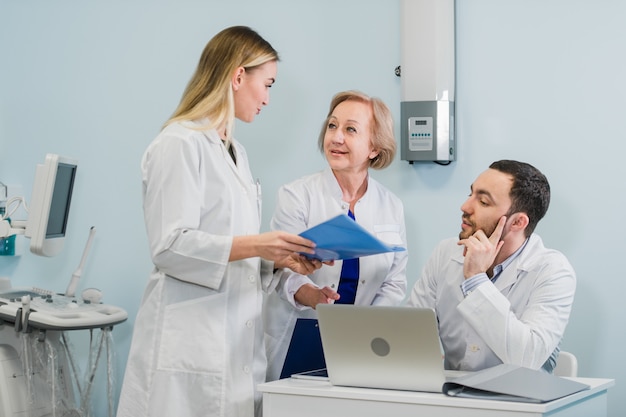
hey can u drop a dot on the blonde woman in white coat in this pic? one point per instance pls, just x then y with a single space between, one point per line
357 135
197 347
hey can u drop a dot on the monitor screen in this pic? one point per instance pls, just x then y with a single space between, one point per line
49 207
61 198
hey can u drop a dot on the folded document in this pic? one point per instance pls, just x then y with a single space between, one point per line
343 238
512 383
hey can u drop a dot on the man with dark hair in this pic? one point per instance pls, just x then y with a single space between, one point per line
499 294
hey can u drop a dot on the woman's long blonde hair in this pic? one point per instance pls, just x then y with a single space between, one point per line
209 93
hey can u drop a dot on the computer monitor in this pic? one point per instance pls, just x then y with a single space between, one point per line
50 204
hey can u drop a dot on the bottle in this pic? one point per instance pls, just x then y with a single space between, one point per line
7 244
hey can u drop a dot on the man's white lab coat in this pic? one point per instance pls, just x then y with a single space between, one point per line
518 320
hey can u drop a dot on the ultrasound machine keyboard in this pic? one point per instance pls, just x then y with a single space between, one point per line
47 310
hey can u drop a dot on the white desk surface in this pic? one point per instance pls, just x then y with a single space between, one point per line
324 389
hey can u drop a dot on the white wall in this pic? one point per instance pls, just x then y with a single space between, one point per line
539 81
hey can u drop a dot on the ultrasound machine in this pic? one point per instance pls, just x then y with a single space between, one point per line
38 375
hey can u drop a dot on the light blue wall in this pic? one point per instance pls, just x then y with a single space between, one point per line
540 81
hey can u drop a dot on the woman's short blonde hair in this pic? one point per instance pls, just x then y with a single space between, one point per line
209 94
382 139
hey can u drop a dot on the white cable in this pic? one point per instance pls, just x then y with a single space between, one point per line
86 398
10 201
72 364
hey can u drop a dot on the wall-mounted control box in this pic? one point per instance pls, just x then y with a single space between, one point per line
427 131
428 80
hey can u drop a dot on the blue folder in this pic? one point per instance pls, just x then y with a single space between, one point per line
343 238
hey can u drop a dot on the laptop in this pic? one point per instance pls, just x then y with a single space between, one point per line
382 347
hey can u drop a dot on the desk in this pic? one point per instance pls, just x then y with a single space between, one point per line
307 398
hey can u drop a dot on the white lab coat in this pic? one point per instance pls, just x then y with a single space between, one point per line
518 320
307 202
197 347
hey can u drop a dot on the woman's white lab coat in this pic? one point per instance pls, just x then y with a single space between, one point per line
520 319
307 202
197 347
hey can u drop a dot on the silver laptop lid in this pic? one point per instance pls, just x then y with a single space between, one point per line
382 347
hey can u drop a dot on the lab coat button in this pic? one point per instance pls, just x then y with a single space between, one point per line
251 278
249 324
474 348
332 285
246 369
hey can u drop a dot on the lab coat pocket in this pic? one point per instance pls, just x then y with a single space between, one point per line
193 338
388 233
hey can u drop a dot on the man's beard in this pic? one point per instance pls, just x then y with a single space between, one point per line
464 234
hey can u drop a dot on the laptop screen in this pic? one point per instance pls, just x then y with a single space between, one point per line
305 349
